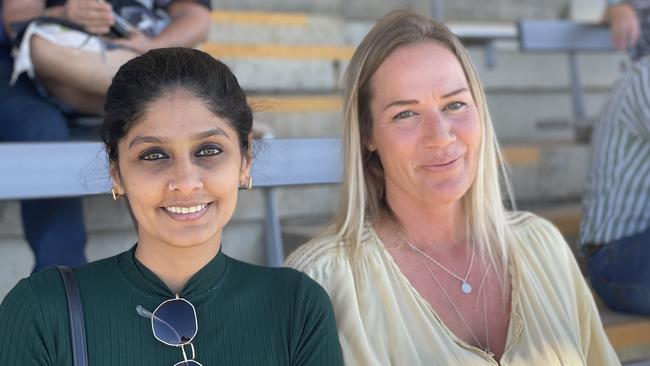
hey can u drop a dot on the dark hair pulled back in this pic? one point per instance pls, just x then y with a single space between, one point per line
159 72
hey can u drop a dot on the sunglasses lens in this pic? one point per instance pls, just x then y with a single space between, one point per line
188 363
174 322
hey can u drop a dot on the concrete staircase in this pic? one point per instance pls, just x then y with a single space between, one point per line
291 64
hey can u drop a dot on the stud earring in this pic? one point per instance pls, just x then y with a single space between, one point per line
115 194
246 185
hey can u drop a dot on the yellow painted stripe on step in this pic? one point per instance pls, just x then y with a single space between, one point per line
310 103
276 51
260 17
521 155
629 334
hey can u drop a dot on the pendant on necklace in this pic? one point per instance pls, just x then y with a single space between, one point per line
490 353
466 288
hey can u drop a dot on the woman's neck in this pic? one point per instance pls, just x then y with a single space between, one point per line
425 224
172 264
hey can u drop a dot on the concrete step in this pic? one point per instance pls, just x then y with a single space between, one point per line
547 171
629 334
565 215
503 10
302 53
305 116
277 28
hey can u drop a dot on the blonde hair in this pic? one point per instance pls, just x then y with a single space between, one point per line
362 191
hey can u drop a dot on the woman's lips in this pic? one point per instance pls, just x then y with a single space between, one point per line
187 212
443 166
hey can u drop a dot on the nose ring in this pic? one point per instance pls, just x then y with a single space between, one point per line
172 187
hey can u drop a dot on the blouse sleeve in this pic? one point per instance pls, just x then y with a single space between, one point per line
595 346
314 327
23 336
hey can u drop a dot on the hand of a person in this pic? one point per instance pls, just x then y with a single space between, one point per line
623 24
137 41
95 16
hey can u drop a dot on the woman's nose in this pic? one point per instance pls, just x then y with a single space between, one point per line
437 130
186 177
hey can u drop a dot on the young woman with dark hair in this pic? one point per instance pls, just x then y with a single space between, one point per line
177 131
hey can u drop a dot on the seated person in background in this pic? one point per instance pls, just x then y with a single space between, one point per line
76 69
177 131
424 265
615 228
53 228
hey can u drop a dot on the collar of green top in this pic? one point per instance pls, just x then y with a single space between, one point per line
206 279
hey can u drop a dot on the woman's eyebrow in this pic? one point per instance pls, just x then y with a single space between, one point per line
147 139
457 91
413 101
400 102
161 140
212 132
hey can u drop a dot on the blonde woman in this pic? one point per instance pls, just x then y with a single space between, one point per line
424 265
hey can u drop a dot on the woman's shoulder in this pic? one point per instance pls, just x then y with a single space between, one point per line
537 237
44 287
327 250
33 315
282 281
523 222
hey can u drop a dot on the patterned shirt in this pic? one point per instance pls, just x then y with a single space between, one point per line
617 195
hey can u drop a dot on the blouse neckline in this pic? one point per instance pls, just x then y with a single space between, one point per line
515 326
141 277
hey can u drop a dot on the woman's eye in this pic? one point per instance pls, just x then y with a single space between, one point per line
153 155
404 114
209 151
454 106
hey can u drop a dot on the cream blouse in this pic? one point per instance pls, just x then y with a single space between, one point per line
382 319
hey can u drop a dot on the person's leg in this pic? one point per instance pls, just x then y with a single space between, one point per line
54 228
81 84
620 273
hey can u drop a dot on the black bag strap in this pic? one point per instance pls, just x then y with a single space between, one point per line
77 328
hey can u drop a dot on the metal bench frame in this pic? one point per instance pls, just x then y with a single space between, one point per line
561 36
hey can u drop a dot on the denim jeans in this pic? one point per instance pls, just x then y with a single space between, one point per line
620 273
54 228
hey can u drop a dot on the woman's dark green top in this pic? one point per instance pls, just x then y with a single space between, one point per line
247 315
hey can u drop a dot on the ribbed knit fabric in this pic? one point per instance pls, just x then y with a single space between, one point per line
247 315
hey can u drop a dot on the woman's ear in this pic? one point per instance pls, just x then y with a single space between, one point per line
118 187
247 160
370 145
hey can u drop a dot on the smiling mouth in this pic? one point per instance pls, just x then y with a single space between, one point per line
447 163
186 210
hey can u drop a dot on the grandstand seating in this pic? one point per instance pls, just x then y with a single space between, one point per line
291 65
